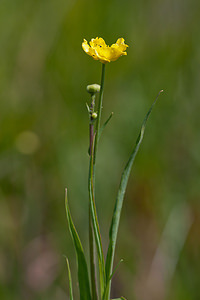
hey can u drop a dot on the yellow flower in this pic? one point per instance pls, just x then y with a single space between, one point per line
100 51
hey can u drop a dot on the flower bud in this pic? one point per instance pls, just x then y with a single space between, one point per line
93 88
94 115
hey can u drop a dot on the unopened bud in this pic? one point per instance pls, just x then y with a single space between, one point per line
94 115
93 88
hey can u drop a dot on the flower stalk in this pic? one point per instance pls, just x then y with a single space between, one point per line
99 115
91 125
93 152
91 89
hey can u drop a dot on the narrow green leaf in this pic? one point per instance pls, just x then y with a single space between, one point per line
70 281
83 279
113 273
92 259
88 108
119 201
111 276
104 125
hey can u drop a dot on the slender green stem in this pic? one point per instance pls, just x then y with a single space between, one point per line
99 113
91 234
93 222
91 126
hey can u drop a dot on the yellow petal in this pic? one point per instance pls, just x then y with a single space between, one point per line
119 45
90 51
98 42
103 53
85 46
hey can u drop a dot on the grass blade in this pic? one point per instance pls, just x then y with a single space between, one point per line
70 281
104 125
109 280
92 258
84 286
119 201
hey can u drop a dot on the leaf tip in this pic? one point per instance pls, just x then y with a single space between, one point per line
66 201
65 193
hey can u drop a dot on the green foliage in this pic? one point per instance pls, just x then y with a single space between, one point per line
118 204
70 281
83 279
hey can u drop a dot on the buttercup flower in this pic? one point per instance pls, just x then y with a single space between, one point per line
98 49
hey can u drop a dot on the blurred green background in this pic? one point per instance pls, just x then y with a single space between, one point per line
44 143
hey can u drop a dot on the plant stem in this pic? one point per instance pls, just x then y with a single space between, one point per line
91 236
99 113
91 133
93 151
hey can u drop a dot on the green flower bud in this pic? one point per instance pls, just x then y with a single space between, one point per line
94 115
93 88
